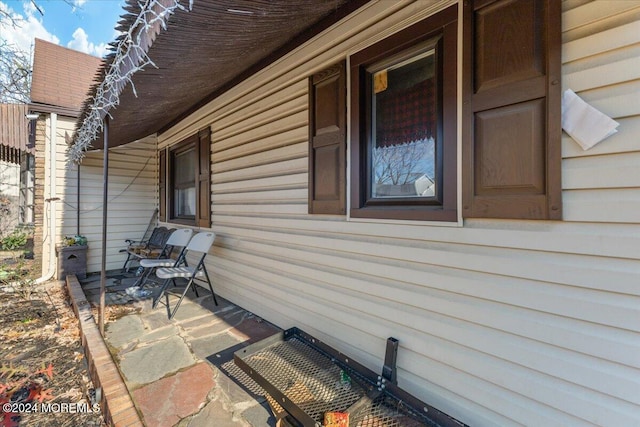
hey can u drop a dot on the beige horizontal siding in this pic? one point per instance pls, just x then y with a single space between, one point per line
618 101
263 114
263 140
613 171
66 178
605 41
583 19
617 143
612 73
269 170
296 149
295 180
500 322
585 339
601 64
132 198
602 205
606 240
387 261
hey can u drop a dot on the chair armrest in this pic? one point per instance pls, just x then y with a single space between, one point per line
131 242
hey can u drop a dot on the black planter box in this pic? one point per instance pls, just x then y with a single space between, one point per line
72 260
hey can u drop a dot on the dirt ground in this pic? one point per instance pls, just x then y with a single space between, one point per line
43 374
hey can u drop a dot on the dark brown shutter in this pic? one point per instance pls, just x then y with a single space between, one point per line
162 185
511 131
203 184
327 141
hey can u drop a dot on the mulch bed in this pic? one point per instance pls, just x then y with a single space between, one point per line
43 372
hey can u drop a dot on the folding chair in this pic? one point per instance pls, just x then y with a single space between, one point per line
200 243
155 247
178 239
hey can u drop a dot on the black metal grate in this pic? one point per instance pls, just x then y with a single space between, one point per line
307 379
387 411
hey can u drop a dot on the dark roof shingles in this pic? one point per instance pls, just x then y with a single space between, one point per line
62 77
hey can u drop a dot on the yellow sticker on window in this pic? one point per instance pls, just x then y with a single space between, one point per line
380 81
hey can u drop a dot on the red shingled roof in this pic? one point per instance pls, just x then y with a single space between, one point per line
61 77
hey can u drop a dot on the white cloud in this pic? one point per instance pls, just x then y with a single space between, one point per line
81 42
77 4
26 29
29 25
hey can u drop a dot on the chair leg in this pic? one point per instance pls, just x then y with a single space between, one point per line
124 266
143 277
166 303
164 286
206 274
186 289
175 309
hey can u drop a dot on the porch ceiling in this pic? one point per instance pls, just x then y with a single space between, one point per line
207 50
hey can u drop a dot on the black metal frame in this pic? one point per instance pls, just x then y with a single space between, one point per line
377 385
165 250
193 278
179 261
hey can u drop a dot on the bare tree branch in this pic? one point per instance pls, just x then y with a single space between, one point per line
15 63
33 2
15 74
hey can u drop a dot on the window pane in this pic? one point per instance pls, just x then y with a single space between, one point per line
404 128
185 201
184 186
185 167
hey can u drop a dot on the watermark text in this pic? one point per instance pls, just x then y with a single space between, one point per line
50 408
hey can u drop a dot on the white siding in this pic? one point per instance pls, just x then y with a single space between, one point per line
61 179
9 179
132 196
10 188
500 322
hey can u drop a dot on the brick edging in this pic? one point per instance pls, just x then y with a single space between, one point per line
116 404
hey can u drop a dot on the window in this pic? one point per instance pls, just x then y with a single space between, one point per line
402 147
403 116
183 161
186 167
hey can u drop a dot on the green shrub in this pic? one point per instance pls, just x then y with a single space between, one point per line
13 241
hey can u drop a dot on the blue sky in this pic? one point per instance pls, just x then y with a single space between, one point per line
84 25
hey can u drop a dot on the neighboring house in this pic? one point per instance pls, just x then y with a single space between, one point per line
512 285
60 82
16 166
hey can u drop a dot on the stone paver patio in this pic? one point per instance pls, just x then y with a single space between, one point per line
180 372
